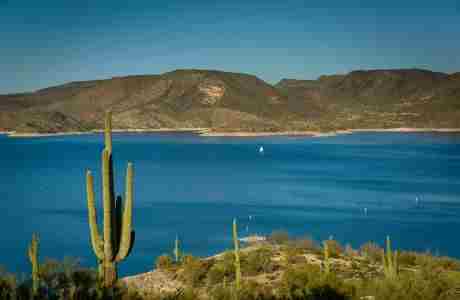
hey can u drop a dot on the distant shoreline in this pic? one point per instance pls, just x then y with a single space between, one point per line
206 132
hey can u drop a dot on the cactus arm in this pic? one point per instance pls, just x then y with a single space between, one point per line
96 241
237 256
106 194
125 238
116 223
133 238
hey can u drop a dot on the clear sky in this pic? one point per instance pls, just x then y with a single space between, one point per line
44 43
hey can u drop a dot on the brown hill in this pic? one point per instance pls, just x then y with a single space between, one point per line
379 98
226 101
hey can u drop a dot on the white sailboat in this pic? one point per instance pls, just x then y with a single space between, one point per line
261 149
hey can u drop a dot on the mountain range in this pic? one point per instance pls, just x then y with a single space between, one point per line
224 101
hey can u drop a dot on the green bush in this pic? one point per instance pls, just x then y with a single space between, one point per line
420 285
294 280
257 261
307 282
216 274
250 290
407 258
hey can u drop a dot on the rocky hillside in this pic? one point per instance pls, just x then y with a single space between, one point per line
300 269
378 99
226 101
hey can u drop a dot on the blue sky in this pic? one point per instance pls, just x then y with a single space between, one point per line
44 43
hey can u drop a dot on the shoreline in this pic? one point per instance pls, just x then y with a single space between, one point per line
207 132
14 134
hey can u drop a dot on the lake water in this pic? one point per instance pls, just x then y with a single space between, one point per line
194 186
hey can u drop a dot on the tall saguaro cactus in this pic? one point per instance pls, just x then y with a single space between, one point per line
33 258
176 250
390 261
236 244
118 237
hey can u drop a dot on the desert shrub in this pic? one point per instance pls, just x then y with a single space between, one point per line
8 285
185 294
435 262
349 251
448 263
294 280
407 258
306 243
216 274
252 290
224 267
413 286
307 282
257 261
249 291
335 249
279 237
194 270
372 251
164 262
222 293
293 254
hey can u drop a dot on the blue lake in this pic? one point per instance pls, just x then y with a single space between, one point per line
194 186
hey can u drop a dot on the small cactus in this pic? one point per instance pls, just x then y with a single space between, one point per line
236 245
390 261
176 250
327 267
118 236
33 258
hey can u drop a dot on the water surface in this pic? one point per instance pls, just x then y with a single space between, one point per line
193 186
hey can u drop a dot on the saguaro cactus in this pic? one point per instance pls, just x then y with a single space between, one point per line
236 244
33 258
390 261
327 267
176 250
118 236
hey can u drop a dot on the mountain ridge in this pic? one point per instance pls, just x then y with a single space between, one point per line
229 101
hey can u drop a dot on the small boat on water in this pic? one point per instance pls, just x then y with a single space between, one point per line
261 149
